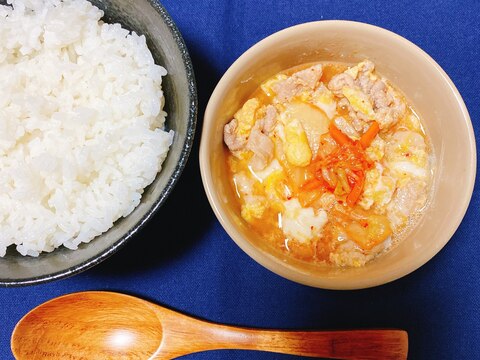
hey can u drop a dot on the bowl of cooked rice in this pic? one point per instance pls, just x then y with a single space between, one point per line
98 110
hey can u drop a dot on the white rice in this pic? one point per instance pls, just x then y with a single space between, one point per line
81 123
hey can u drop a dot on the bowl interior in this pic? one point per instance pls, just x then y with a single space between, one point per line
427 88
148 18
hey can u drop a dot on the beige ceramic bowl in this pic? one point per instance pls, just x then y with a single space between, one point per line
425 85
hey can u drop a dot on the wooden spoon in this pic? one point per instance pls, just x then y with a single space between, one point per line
108 325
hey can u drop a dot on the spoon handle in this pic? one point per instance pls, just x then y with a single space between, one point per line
387 344
355 344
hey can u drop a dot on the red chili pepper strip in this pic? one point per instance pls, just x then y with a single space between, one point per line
339 137
313 184
356 192
369 135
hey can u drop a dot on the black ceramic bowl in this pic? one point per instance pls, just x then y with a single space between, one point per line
149 18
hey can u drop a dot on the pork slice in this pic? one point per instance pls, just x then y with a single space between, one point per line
299 81
286 89
358 124
262 147
268 122
379 95
344 103
365 83
338 82
368 66
309 77
358 120
406 200
388 116
233 141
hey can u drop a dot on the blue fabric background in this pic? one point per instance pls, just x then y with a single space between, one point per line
200 271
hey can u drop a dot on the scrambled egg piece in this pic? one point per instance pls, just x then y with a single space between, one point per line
254 207
262 175
406 169
297 149
349 254
246 117
376 150
277 190
302 224
354 70
243 184
312 119
267 86
408 198
378 189
346 127
412 123
406 156
324 100
359 101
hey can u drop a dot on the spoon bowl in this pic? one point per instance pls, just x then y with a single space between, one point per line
110 325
